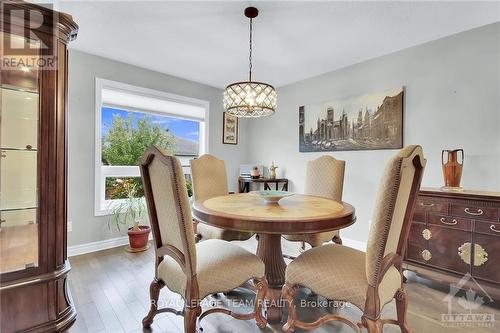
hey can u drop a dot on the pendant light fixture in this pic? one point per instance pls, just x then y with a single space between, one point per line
250 99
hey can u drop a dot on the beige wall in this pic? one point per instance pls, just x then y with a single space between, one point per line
452 100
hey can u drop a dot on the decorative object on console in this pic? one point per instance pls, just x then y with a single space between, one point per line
250 99
255 172
229 129
272 169
366 122
457 233
452 169
246 170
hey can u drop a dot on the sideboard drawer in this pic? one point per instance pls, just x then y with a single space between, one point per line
474 212
487 228
449 221
429 205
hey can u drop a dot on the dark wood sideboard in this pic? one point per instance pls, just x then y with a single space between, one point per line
455 233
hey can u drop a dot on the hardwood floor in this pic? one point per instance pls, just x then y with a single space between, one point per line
111 293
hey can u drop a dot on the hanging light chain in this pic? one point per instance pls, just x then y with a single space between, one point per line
250 55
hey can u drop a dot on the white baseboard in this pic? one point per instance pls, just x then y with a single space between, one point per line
76 250
358 245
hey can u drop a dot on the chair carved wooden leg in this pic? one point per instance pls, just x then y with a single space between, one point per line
190 316
337 240
260 319
260 299
288 294
401 308
372 326
154 291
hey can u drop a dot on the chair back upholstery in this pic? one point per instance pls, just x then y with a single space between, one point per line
394 206
209 177
325 177
168 208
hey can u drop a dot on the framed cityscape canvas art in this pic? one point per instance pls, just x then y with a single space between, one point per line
367 122
229 129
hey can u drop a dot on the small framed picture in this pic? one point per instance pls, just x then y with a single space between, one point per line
229 129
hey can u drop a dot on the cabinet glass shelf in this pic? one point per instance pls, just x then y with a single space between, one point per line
19 89
19 112
16 209
18 149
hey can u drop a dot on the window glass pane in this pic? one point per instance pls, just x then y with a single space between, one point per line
126 135
123 187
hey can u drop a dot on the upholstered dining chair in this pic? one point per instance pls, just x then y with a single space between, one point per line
191 270
324 178
210 180
372 279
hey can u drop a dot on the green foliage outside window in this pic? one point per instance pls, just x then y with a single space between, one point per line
124 144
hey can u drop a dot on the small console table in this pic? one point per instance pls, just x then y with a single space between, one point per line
244 183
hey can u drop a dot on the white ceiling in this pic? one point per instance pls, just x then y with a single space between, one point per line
208 41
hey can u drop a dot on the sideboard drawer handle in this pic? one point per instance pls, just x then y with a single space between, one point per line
453 222
479 212
493 228
423 204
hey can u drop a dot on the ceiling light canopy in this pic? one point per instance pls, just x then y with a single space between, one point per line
250 99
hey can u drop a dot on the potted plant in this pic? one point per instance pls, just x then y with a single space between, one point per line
130 210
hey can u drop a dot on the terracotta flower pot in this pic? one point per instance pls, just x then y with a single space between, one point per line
138 239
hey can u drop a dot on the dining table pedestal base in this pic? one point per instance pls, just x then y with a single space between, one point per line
269 250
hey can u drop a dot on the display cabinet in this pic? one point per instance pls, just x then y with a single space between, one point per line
33 260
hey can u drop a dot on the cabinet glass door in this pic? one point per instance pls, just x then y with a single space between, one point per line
19 116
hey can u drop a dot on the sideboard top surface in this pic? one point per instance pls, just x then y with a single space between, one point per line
465 193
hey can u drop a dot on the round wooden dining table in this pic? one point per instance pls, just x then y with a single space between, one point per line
296 214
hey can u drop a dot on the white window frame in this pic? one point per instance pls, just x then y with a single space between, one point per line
101 205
